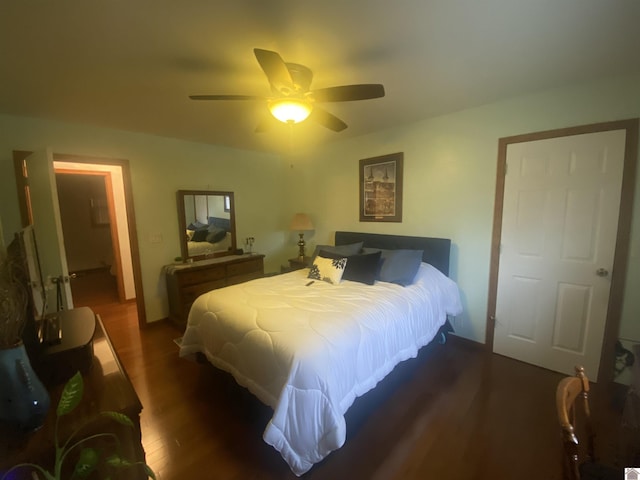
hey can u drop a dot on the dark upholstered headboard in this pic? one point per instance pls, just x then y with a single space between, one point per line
435 250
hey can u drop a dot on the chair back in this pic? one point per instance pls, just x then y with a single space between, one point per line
572 404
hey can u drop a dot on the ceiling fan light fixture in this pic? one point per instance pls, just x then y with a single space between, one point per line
293 101
290 110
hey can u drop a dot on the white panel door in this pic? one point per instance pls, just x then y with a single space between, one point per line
559 227
48 227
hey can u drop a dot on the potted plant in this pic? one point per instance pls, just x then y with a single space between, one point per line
89 458
24 400
13 300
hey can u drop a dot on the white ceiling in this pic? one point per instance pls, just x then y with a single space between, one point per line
131 65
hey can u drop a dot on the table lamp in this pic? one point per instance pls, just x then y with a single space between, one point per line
300 223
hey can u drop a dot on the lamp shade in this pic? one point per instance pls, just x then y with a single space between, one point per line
290 110
301 222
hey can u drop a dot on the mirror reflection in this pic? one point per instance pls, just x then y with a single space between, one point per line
207 223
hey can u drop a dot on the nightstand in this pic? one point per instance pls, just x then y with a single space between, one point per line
297 264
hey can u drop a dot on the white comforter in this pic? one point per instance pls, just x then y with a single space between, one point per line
309 351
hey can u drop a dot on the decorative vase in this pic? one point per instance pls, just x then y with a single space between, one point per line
24 401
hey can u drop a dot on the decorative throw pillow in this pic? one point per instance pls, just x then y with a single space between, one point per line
190 234
328 269
344 250
363 268
200 235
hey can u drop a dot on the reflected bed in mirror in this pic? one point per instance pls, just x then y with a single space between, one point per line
207 224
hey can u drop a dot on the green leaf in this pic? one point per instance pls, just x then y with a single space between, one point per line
117 461
71 395
119 417
149 471
87 462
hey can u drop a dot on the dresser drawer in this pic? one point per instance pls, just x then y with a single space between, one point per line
242 268
193 277
188 282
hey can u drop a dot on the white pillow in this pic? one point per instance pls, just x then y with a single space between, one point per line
328 269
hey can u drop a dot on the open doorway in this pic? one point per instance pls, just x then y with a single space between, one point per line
89 233
42 181
95 229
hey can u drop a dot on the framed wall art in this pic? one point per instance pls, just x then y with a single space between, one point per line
381 188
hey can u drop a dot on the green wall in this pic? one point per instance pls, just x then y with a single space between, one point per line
449 182
160 166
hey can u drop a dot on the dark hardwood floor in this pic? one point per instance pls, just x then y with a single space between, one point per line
94 287
452 413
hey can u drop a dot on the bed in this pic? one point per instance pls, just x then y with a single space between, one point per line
203 247
308 350
205 239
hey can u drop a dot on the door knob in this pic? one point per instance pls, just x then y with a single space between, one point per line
602 272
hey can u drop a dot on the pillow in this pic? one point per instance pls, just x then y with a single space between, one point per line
362 268
344 250
215 234
223 223
328 269
196 225
400 266
190 234
200 235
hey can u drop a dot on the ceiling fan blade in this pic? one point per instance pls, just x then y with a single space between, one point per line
326 119
225 97
275 69
347 93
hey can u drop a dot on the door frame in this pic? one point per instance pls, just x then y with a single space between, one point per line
18 155
621 255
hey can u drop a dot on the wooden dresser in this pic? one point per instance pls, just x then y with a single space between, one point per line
187 281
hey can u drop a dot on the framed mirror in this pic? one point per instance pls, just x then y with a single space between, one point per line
207 224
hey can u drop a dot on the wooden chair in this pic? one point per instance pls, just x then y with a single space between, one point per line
580 462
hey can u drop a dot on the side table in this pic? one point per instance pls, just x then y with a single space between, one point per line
106 388
297 263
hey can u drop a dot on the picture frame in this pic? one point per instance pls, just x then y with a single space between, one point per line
99 212
381 188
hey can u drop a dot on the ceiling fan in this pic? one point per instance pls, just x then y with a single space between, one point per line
292 100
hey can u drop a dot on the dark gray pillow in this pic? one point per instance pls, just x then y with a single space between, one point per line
363 268
344 250
200 235
196 225
398 266
223 223
215 234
